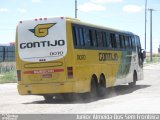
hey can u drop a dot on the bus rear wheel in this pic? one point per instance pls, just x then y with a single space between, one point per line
94 88
48 98
102 87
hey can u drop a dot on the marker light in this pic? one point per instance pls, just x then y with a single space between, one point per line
70 72
19 75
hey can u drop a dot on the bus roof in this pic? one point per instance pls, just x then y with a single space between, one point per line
77 21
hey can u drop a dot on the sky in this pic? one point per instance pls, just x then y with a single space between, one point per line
125 15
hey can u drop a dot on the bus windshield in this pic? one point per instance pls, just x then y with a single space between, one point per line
42 40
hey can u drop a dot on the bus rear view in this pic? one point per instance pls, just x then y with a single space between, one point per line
41 48
67 56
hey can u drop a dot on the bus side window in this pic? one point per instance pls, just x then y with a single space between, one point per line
130 40
87 39
99 39
133 43
104 38
138 44
129 43
117 41
107 40
120 40
113 40
93 38
126 42
81 37
123 39
76 36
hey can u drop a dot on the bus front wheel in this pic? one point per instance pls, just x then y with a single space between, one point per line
68 97
134 80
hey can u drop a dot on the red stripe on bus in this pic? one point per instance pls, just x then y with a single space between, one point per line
58 70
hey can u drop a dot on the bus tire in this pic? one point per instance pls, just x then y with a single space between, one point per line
134 80
48 98
102 86
94 88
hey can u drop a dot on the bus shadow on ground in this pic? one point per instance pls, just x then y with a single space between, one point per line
81 98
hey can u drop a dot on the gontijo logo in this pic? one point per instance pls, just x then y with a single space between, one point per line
41 30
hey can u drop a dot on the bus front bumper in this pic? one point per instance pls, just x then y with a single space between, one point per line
45 88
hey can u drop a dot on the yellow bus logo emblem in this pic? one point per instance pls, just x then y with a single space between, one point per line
41 30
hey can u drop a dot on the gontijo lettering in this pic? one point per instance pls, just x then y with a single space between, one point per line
42 44
108 56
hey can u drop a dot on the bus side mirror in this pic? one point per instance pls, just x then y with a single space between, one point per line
144 54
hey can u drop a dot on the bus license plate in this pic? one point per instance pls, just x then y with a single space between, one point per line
47 76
